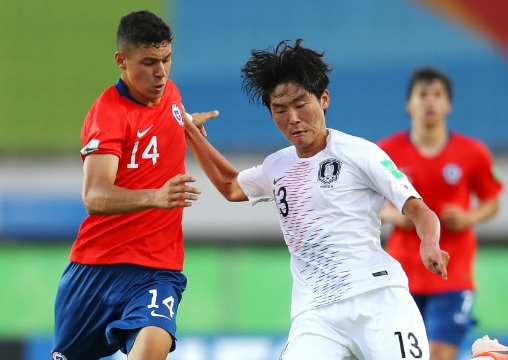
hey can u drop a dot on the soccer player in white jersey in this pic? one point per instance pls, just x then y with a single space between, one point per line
350 299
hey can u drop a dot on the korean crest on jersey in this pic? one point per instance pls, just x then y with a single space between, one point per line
58 356
177 114
329 171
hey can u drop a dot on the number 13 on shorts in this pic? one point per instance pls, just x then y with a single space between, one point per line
409 345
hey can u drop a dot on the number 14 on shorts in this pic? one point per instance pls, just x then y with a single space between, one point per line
169 302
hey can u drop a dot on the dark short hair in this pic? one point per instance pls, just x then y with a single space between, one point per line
142 28
266 69
428 74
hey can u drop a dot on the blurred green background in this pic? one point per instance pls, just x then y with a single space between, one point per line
231 289
57 57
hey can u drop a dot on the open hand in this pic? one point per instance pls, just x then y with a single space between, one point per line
176 193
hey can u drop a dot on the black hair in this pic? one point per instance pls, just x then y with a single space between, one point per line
142 28
266 69
429 74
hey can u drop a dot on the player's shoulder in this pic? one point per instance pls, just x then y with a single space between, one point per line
466 142
464 139
109 101
395 139
352 149
280 155
110 94
348 143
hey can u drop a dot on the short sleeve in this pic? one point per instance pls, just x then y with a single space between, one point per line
254 185
387 179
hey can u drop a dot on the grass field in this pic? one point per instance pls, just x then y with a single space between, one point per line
230 289
60 57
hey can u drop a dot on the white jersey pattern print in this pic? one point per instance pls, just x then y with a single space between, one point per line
329 207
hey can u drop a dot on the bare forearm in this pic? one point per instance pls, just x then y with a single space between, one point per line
427 226
428 229
425 220
102 197
111 199
216 167
484 211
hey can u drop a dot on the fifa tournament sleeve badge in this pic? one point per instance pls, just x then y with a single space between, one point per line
92 146
390 166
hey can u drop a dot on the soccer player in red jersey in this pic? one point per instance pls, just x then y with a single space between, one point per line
123 284
455 175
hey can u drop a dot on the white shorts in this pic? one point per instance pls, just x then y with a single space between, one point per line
383 324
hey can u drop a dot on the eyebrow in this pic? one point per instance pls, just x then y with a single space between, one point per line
149 57
296 99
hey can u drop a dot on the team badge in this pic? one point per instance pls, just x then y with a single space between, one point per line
329 171
58 356
452 174
177 114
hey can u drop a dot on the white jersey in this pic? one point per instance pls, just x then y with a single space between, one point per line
329 207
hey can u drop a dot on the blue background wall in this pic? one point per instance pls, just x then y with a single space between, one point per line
373 45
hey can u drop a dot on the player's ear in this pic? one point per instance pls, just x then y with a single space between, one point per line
120 60
325 99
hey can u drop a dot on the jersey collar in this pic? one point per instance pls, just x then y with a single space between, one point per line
122 89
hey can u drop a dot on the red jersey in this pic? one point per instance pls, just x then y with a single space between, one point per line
150 143
462 169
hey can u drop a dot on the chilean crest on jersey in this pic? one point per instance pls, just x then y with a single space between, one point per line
177 114
329 171
452 173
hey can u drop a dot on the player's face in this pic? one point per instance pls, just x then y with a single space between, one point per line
429 104
300 117
145 71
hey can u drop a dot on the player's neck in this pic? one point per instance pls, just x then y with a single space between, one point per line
429 142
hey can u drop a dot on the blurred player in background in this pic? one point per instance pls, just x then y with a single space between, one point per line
447 169
350 298
123 284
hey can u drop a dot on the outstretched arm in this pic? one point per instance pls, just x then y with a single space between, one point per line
216 167
428 229
102 197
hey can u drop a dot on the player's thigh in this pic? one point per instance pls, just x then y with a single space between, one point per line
449 316
421 302
313 337
81 314
390 327
152 303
